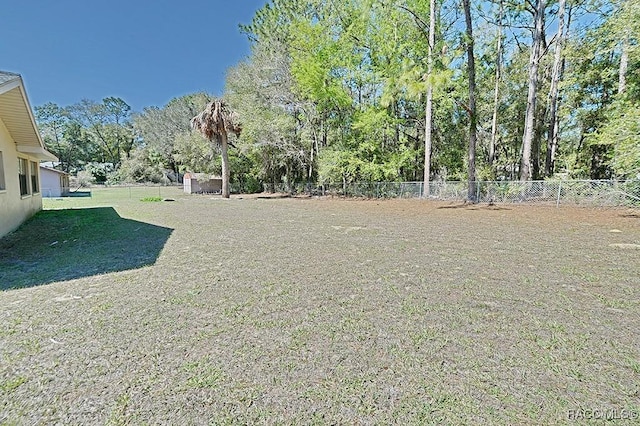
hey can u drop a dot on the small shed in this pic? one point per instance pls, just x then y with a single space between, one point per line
55 183
200 183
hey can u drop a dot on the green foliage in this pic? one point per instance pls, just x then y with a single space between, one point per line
99 171
274 138
160 128
621 137
142 166
88 133
109 126
602 118
195 154
53 121
316 66
336 92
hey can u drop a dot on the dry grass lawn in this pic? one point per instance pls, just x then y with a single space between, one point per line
318 311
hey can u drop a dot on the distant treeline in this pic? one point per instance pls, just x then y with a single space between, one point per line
360 90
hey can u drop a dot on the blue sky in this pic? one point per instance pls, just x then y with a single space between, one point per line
144 51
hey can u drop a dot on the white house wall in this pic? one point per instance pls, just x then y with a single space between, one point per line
50 183
14 209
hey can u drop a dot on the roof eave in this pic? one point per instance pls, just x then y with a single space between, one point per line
10 85
17 83
38 152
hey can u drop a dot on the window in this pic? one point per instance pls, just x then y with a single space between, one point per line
35 188
22 176
2 187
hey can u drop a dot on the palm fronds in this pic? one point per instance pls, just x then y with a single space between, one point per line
215 120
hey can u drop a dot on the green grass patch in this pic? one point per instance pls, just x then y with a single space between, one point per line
58 245
203 374
10 385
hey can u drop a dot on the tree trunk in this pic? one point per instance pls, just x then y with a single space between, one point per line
287 173
224 148
429 106
535 151
471 70
63 165
530 116
311 159
496 92
624 64
552 140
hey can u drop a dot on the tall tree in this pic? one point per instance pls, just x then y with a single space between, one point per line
428 126
496 90
530 115
110 126
275 122
215 123
473 130
556 75
53 119
160 128
365 88
624 64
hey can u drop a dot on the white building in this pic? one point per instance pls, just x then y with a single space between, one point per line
199 183
21 150
54 183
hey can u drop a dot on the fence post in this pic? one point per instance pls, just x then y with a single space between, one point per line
559 189
477 191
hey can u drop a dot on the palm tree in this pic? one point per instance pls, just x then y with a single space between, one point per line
215 123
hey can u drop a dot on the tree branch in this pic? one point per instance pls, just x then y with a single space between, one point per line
422 26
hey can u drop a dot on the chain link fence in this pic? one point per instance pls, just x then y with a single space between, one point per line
597 193
585 192
574 192
118 191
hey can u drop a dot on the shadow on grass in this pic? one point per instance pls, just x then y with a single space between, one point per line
60 245
469 206
631 215
273 197
79 193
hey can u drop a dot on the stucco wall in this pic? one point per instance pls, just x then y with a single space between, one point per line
14 209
